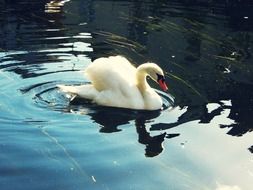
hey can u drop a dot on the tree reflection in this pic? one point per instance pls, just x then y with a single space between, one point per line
28 28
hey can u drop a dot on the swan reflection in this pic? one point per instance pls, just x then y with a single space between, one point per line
110 119
153 143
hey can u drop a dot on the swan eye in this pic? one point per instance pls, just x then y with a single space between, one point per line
160 78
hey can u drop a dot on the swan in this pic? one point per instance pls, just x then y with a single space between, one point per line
115 82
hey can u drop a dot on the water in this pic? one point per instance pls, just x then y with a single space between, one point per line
202 139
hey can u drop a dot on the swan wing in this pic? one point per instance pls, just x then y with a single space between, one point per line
111 73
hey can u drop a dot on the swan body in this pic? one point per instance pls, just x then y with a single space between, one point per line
115 82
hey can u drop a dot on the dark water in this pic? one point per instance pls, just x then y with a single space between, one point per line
202 140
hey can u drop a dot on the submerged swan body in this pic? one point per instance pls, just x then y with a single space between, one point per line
115 82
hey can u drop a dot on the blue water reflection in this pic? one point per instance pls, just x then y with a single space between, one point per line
202 139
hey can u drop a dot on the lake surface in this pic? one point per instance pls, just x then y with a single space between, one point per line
201 140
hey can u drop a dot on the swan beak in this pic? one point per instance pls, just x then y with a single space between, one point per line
162 84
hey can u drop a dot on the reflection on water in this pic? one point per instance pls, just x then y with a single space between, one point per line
110 119
55 6
205 49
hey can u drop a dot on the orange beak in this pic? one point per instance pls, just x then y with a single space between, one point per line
163 85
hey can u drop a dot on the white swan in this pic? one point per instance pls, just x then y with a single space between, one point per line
115 82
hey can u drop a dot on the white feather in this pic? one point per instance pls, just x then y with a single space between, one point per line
116 82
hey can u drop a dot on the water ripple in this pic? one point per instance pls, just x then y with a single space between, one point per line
47 95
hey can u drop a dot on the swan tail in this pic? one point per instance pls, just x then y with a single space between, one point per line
83 91
68 89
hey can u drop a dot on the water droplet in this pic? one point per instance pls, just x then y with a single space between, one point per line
93 179
227 70
115 163
233 53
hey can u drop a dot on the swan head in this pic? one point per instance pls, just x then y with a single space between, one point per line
155 72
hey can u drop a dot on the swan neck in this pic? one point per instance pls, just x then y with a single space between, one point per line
141 81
